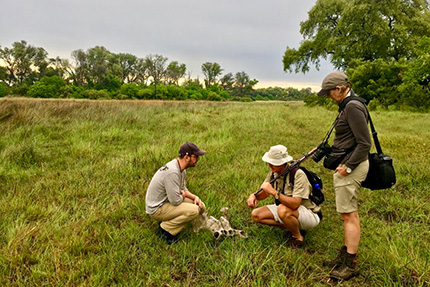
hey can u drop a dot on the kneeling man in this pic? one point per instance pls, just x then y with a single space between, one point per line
168 200
292 209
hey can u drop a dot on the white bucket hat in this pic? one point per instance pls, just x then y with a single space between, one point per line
277 155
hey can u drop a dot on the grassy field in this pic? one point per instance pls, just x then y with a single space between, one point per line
73 176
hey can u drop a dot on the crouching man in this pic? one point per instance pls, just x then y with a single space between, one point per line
292 209
168 200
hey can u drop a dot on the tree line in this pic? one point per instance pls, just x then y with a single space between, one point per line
383 46
97 73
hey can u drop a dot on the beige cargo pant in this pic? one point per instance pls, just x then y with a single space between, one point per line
174 218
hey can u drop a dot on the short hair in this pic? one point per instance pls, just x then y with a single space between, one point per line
344 87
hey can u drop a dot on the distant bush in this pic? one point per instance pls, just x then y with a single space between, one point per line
175 92
47 87
145 94
20 90
212 96
96 94
129 90
4 89
195 95
242 99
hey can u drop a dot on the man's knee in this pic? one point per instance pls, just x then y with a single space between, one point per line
256 215
284 211
192 212
351 216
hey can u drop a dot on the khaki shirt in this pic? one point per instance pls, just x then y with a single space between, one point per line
302 188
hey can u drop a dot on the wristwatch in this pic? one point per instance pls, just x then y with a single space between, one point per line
348 170
277 195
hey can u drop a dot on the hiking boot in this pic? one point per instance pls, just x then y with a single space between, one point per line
166 236
347 270
338 261
295 243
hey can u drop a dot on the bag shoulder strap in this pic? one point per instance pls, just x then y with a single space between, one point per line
293 174
285 177
353 97
374 135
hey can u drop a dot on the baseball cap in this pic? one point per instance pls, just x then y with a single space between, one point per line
190 148
277 155
331 81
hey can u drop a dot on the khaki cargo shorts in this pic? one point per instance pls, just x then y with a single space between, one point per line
347 188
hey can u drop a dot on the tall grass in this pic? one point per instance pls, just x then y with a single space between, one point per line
73 176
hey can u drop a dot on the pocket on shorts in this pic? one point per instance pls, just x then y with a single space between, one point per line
340 180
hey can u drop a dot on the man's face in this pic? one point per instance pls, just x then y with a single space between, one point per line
277 168
192 160
335 95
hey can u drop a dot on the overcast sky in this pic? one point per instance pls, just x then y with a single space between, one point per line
240 35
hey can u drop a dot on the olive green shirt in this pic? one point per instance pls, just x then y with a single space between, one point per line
302 188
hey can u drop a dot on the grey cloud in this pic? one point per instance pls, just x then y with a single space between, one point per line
241 35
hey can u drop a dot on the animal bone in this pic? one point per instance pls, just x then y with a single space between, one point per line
226 225
215 226
219 228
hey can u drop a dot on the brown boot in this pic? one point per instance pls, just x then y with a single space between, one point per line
347 270
338 261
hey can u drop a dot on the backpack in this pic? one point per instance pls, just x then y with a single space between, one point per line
317 195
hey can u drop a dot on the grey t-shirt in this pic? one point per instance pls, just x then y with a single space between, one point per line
165 186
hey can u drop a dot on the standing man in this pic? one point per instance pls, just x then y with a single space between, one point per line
351 133
168 200
292 210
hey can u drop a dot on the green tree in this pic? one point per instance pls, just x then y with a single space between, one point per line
415 87
3 74
141 71
156 65
227 82
96 67
344 31
99 63
175 71
23 62
377 79
128 65
211 72
79 68
55 67
243 84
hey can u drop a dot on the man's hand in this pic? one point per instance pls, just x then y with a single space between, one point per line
341 169
267 187
198 201
252 201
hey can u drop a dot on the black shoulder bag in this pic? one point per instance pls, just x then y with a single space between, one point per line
381 173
